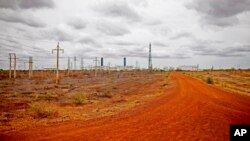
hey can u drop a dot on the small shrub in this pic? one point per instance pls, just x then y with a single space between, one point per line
78 98
42 110
108 93
209 80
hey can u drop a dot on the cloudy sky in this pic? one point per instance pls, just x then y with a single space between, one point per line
184 32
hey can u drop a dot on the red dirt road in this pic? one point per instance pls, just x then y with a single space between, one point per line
188 111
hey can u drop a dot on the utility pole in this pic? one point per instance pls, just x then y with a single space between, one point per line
12 64
109 65
57 61
150 59
30 66
136 65
82 67
74 62
68 65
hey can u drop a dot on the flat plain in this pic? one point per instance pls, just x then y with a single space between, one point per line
122 106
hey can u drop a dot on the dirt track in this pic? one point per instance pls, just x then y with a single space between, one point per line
189 110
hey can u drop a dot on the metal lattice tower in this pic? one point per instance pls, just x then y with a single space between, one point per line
150 58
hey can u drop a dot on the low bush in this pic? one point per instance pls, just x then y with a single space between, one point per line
209 80
78 98
108 93
42 110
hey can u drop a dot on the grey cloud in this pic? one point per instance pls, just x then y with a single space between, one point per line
112 29
136 52
181 35
123 43
60 35
221 50
180 56
13 45
220 13
151 22
171 56
124 51
159 44
118 9
57 34
86 52
23 18
11 4
8 39
77 23
89 41
142 52
222 8
220 54
160 30
26 4
142 3
240 48
221 22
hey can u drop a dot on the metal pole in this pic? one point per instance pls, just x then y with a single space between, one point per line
30 67
68 65
74 62
10 66
95 66
82 63
14 65
150 58
57 61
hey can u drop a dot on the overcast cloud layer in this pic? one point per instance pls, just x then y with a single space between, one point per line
184 32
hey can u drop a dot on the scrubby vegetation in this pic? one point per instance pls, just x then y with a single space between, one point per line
210 80
78 98
42 110
230 79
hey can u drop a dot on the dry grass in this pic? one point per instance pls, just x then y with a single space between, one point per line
41 100
42 110
79 98
233 80
210 80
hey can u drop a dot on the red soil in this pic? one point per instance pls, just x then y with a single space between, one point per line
190 110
